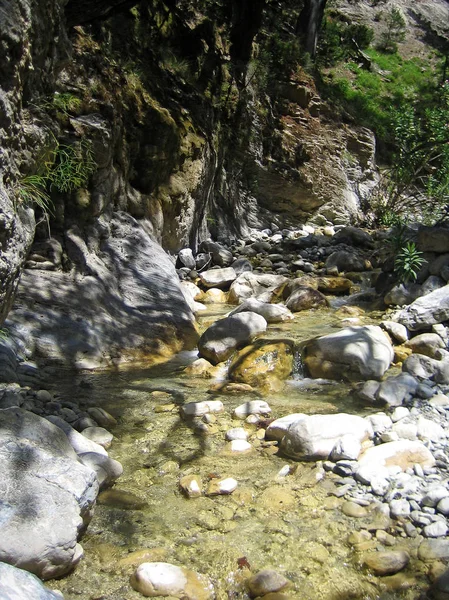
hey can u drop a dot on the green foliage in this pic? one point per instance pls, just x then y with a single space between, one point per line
31 190
394 32
4 334
66 102
72 167
408 263
340 40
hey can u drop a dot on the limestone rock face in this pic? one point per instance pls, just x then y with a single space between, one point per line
45 493
353 353
264 364
222 338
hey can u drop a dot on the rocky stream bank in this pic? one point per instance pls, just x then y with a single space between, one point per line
364 489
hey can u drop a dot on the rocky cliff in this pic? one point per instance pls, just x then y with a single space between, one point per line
184 116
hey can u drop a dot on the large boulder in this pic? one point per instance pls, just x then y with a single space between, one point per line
264 287
121 302
433 239
315 437
353 353
345 261
17 584
220 255
272 313
222 338
426 311
264 364
46 495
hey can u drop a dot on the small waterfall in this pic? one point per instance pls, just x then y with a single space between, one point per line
298 367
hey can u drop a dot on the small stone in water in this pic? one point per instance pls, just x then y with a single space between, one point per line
266 582
254 407
191 485
351 509
218 487
240 446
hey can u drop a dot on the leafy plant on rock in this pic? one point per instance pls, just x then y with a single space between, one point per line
408 263
73 166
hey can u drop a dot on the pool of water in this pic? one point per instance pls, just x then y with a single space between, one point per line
288 523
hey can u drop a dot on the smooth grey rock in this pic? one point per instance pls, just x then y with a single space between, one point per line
435 530
396 330
45 495
314 437
272 313
99 435
434 495
17 584
225 336
436 549
387 563
426 343
198 409
256 285
399 508
355 353
394 391
220 255
186 258
429 430
380 422
423 367
79 442
106 469
253 407
426 311
279 427
218 278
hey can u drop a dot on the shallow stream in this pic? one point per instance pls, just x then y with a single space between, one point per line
289 523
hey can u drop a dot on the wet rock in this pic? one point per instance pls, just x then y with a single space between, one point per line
352 509
218 278
433 549
236 433
266 582
222 338
102 417
215 296
191 485
305 298
200 368
165 579
314 437
386 563
354 353
239 446
253 407
394 391
106 469
198 409
221 487
439 590
121 499
264 364
334 285
17 584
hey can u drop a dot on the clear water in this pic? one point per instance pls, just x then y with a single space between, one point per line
286 523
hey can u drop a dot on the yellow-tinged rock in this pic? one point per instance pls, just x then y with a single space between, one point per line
264 364
144 555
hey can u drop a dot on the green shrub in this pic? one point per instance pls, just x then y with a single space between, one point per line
72 167
31 190
408 263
